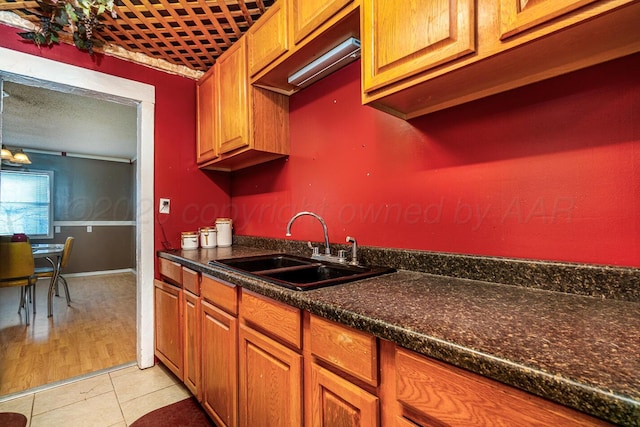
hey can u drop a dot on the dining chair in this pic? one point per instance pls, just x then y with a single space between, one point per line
17 269
48 272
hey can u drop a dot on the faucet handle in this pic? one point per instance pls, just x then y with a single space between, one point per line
354 250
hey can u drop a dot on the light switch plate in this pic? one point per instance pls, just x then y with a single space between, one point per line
164 207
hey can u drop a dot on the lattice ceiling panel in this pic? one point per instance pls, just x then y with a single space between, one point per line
191 33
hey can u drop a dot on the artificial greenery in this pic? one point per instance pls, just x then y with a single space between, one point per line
80 16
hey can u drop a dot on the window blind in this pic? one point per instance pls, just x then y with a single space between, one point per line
25 203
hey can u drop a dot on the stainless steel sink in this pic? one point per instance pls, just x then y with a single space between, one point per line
299 273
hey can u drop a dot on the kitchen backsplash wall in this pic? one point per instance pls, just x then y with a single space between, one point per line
550 171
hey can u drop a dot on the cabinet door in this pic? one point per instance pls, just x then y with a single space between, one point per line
191 309
268 39
307 15
220 365
233 101
520 15
206 117
270 382
400 39
337 402
168 326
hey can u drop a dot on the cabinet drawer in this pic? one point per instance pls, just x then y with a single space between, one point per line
273 318
353 351
221 294
171 271
451 396
191 281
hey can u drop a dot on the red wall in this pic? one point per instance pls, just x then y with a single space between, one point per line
549 171
197 197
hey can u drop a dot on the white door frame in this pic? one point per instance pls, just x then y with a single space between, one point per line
21 67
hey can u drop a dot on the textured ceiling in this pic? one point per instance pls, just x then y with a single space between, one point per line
44 119
190 33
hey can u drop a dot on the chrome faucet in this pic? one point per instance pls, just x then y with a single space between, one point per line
342 254
327 250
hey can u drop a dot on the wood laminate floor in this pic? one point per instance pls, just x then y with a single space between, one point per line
98 331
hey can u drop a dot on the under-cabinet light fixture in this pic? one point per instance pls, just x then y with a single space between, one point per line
341 55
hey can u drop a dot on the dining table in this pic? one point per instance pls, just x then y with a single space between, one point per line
52 252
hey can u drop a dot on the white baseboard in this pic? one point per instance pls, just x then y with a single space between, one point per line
97 273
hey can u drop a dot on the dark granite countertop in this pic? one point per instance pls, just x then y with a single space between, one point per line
580 351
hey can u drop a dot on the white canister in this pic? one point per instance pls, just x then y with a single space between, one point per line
223 228
189 240
208 237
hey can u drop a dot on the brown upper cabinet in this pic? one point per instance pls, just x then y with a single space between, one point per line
295 32
285 26
268 39
420 56
233 100
402 39
251 124
206 117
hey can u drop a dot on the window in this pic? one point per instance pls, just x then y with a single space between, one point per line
25 203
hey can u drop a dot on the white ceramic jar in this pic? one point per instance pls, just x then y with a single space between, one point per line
223 229
208 238
189 240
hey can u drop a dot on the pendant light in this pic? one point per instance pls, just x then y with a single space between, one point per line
6 154
19 158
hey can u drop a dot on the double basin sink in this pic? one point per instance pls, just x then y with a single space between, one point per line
299 273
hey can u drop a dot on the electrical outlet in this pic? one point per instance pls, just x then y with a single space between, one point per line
164 206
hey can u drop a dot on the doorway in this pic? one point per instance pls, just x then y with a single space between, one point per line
22 68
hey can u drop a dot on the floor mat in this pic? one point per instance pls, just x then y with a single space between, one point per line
12 419
186 413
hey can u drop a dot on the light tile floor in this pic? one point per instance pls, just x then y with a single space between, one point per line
112 398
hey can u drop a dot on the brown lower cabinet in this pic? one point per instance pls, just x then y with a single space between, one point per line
191 331
427 392
253 361
270 361
270 382
168 326
219 311
341 375
337 402
219 365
